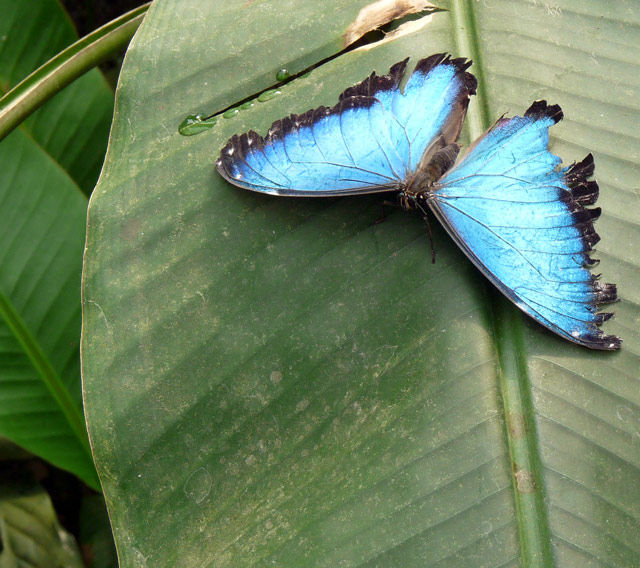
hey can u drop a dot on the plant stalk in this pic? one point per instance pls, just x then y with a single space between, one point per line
36 89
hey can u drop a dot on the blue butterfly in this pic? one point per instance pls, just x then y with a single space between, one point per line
507 203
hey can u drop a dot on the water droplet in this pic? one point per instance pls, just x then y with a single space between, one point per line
230 113
191 119
196 123
245 106
282 74
268 95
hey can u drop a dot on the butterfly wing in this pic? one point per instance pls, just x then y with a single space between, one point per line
522 220
367 143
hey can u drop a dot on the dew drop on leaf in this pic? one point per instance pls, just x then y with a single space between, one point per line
268 95
282 75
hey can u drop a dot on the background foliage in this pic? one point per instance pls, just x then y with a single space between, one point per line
49 166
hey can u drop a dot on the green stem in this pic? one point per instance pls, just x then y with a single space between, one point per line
522 437
21 101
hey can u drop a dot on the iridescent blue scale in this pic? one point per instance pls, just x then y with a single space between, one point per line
519 216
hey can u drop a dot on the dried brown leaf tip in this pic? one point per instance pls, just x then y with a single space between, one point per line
379 13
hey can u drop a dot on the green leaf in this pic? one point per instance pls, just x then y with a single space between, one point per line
29 530
41 243
42 227
284 382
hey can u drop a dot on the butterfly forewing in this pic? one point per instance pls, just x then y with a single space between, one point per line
369 142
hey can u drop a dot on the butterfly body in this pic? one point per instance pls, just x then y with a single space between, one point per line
519 216
418 190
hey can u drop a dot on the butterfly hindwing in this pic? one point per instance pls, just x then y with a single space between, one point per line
522 220
369 142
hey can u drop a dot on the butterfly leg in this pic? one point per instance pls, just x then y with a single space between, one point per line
389 204
418 202
433 250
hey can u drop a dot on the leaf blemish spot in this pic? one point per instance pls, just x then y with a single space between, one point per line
525 481
516 424
198 485
275 377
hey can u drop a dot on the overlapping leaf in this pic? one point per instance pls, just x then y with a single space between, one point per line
46 164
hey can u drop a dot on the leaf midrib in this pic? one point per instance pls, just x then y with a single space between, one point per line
45 370
532 515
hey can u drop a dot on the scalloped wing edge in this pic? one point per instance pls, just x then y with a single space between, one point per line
585 192
582 192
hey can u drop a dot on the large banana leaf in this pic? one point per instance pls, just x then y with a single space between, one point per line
283 382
